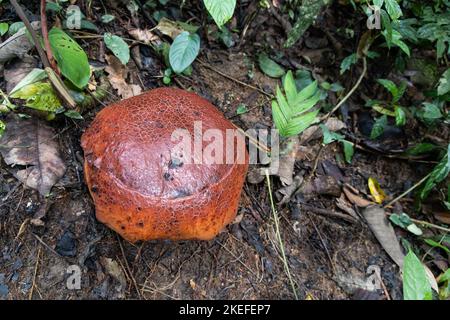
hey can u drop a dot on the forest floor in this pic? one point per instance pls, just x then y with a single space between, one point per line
331 256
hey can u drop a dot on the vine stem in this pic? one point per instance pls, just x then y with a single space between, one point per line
408 191
278 235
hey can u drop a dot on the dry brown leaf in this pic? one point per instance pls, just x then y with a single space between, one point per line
384 232
117 75
145 36
443 217
288 155
17 45
314 132
355 199
15 72
169 28
31 143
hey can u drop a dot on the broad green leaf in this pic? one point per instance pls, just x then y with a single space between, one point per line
404 221
416 285
329 136
349 150
15 27
400 116
241 109
35 75
400 92
73 115
270 67
393 8
421 148
305 105
107 18
220 10
39 96
183 51
3 28
439 173
71 58
378 127
389 85
306 93
430 111
347 63
118 46
444 83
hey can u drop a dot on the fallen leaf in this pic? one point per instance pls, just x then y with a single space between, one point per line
431 278
376 191
288 155
145 36
355 199
342 204
384 232
31 143
16 71
443 217
117 73
314 132
17 45
113 269
169 28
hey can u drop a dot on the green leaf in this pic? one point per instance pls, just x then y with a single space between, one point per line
444 83
378 127
421 148
329 136
291 118
400 116
71 58
118 46
290 88
107 18
439 173
349 150
73 115
435 244
241 109
416 285
393 8
389 85
430 111
347 63
3 28
53 6
15 27
220 10
35 75
404 221
2 128
270 67
39 96
183 51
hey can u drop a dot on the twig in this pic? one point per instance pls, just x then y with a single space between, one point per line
33 34
278 235
234 256
408 191
323 244
44 30
325 212
234 79
30 295
129 269
54 78
348 95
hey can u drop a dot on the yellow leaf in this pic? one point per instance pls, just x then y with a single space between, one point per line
376 191
309 296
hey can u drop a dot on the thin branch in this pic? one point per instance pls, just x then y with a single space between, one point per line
44 30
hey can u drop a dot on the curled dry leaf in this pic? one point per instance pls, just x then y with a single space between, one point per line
31 143
145 36
17 45
355 199
384 232
117 75
169 28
